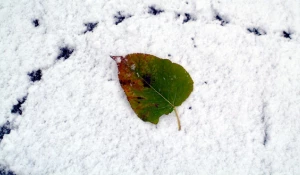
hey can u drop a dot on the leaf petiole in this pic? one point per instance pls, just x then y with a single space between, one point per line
178 120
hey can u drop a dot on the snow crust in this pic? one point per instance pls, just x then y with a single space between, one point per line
243 116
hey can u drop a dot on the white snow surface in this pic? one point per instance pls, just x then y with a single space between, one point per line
245 106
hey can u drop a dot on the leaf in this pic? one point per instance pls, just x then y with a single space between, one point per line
153 86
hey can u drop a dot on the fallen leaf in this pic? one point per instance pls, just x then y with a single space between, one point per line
153 86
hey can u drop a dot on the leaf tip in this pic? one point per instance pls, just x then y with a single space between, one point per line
117 58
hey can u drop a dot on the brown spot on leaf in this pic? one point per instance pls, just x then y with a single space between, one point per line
125 82
144 117
156 105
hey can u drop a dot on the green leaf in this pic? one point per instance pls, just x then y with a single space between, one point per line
153 86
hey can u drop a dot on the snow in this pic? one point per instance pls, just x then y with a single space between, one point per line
243 116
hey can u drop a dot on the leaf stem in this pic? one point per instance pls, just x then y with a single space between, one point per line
178 120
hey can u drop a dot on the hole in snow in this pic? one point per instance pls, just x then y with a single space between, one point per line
16 109
90 26
5 129
119 17
221 19
188 17
286 34
5 172
257 31
35 22
266 138
35 75
154 11
65 53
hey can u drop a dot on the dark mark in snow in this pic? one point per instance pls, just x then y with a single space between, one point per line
266 137
187 18
154 11
65 53
5 129
35 23
17 108
264 122
286 34
194 42
218 18
221 19
257 31
35 75
205 82
120 17
5 172
190 107
263 113
263 117
90 27
169 55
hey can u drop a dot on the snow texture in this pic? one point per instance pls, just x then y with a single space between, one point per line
72 116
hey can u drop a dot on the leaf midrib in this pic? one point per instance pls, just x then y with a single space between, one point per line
150 86
155 89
